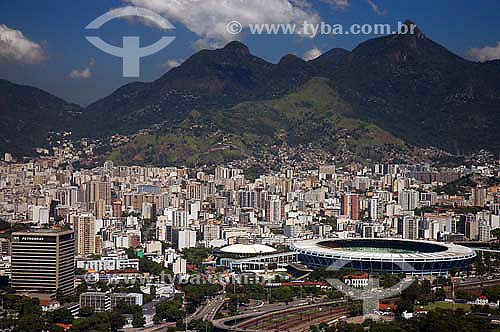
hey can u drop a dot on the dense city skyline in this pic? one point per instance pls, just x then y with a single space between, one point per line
249 165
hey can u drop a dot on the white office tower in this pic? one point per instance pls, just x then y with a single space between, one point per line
193 210
179 266
147 211
40 215
410 228
436 228
184 239
273 210
179 219
409 199
373 208
84 227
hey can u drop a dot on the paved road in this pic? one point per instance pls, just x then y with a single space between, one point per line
208 311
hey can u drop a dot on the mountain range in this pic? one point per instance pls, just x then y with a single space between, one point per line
403 87
28 114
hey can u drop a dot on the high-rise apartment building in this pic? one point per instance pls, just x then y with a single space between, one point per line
184 239
409 200
273 210
478 197
484 231
85 232
410 228
351 206
43 261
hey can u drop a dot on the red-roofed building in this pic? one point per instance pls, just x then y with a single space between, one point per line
387 307
64 326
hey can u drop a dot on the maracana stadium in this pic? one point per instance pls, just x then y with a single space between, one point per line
393 256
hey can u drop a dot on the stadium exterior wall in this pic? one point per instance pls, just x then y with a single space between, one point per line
451 258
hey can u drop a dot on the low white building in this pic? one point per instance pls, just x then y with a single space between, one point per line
108 264
357 281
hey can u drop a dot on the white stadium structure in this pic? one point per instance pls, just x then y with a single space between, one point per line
248 249
385 255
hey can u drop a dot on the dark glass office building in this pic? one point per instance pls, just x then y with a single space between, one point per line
43 261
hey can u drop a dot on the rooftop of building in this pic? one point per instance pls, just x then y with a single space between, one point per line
248 249
43 231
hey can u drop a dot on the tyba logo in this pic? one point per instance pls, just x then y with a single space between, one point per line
131 52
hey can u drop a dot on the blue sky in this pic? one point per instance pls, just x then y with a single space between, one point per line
54 31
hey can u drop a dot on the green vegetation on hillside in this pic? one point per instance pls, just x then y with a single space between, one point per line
314 115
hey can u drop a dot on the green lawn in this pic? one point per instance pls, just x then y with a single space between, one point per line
446 305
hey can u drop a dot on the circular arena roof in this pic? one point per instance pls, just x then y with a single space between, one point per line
383 249
248 249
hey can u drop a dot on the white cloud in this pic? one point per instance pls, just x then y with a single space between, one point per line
377 9
486 53
172 63
338 3
15 46
85 73
312 54
208 19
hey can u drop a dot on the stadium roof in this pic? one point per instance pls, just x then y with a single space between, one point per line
450 251
248 249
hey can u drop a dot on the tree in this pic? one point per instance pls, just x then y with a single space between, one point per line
31 323
86 311
60 297
403 305
62 315
102 321
116 321
138 319
323 326
170 310
440 295
200 326
496 233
